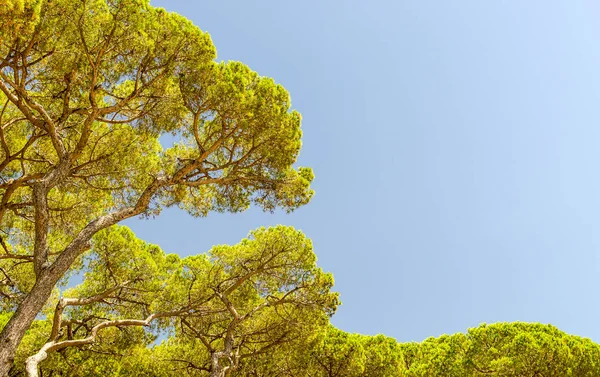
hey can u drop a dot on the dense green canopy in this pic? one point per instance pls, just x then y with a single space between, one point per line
222 308
502 349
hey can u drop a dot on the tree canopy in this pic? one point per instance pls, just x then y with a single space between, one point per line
501 349
87 89
220 308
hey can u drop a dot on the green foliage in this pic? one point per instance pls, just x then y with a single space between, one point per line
261 307
336 353
222 308
504 349
248 299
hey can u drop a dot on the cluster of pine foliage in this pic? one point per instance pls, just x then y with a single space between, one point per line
258 308
502 349
87 87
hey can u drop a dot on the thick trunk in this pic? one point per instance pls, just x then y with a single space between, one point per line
13 332
216 370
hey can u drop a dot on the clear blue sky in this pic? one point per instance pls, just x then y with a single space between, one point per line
456 146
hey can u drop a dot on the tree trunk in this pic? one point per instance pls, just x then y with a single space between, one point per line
216 369
217 372
15 329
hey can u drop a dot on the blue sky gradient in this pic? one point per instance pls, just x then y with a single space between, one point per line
456 147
